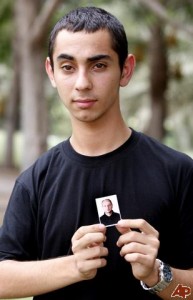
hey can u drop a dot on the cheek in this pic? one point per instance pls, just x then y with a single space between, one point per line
64 86
110 88
112 83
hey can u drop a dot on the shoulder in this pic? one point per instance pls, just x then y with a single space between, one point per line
161 160
154 149
102 217
115 213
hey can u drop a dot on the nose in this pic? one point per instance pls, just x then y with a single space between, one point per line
83 81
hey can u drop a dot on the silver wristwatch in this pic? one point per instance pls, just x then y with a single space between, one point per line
165 275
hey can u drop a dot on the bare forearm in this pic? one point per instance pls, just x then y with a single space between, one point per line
181 287
23 279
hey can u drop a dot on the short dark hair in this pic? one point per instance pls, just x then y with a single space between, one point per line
91 19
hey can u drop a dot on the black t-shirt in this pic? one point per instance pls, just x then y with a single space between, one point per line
56 195
110 220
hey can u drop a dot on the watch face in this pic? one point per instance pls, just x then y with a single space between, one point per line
167 273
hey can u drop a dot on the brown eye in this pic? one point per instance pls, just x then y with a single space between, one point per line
67 67
99 66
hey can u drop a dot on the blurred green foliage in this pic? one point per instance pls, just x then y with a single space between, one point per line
6 29
136 19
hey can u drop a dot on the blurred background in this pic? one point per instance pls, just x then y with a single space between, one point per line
157 101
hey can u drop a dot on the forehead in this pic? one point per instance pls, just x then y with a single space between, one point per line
106 202
75 43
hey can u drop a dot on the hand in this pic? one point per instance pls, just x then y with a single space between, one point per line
140 248
88 249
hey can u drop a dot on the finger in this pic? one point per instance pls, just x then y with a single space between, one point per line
88 229
135 239
85 266
90 259
140 248
92 253
89 267
136 236
140 224
88 240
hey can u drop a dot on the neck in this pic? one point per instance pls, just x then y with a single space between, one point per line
109 213
91 140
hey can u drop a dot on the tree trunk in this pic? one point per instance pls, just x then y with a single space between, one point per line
12 109
158 82
33 104
34 17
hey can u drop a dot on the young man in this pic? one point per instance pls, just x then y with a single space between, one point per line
51 245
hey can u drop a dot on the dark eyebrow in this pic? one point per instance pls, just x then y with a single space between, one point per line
65 56
98 57
92 58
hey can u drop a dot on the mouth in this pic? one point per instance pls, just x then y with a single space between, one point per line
84 103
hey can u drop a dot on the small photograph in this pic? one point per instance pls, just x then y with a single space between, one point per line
108 210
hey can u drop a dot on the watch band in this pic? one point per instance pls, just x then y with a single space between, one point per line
165 275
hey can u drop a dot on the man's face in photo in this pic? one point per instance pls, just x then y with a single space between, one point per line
107 206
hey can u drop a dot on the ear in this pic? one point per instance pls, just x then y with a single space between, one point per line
50 71
128 69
